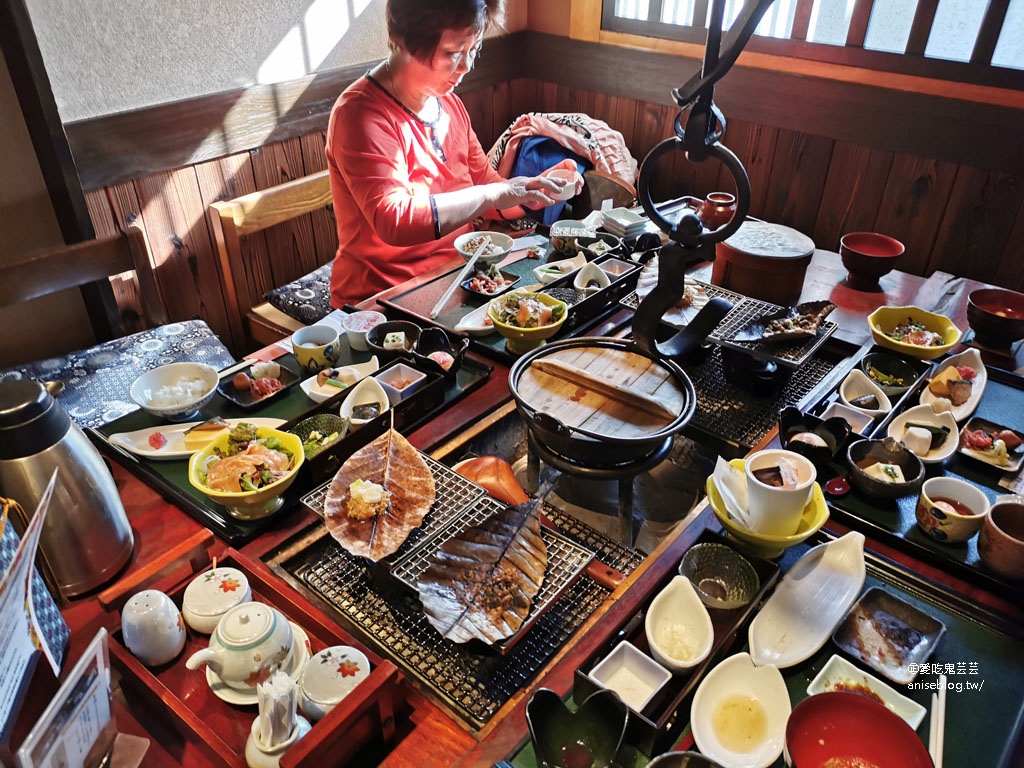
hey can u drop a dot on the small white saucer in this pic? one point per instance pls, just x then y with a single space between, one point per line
301 652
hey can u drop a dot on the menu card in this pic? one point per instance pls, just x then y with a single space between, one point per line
29 619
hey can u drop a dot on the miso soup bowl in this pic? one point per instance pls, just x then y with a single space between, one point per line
943 524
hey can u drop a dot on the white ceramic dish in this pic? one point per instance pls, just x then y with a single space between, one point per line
211 594
329 677
858 384
632 674
591 279
548 273
1015 459
961 413
368 390
678 626
400 374
813 598
318 393
474 323
857 420
137 442
923 414
149 384
721 714
838 674
300 655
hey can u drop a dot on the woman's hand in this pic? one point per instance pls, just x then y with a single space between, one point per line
527 191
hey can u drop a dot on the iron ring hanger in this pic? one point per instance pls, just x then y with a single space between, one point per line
699 141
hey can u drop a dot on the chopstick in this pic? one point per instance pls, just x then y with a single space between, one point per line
937 728
458 280
233 368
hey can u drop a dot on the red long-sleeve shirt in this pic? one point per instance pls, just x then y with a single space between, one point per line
385 166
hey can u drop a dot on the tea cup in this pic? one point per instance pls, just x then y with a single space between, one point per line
717 209
1001 542
941 505
571 178
315 347
776 510
152 627
212 594
330 676
357 324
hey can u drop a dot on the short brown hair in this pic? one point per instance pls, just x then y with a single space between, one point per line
416 25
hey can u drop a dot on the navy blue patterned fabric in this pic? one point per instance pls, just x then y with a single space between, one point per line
51 623
97 380
307 299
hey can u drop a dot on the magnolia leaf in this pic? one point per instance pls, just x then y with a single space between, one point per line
480 584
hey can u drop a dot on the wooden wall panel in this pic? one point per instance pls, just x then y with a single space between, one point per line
325 228
913 203
976 228
853 188
174 215
523 97
125 287
797 179
1010 269
754 145
291 247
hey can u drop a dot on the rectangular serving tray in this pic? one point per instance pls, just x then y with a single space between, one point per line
171 477
182 697
893 522
655 728
417 302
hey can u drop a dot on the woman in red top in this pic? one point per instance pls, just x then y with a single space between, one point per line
407 172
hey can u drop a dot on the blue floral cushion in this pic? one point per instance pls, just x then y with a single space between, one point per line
97 380
307 299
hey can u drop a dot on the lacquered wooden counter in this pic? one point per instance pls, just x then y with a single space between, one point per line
429 737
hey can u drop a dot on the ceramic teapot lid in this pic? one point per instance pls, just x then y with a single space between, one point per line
215 591
247 624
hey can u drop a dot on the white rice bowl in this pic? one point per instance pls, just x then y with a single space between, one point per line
175 391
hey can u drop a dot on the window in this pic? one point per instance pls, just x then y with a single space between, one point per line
974 41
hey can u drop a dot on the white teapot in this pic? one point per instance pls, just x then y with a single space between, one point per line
251 642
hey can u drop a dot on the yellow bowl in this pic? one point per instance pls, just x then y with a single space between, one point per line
885 319
815 515
520 340
249 505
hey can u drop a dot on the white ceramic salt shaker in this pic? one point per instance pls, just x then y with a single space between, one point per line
211 594
152 627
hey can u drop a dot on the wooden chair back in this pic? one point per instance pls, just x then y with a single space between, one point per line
598 187
70 266
231 220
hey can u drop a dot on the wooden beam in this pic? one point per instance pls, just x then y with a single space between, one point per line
921 28
988 35
859 23
802 19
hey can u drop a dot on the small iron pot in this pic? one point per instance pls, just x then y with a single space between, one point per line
583 446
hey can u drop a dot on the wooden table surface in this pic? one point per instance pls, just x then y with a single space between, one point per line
431 738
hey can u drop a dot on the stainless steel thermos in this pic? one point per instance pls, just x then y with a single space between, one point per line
86 539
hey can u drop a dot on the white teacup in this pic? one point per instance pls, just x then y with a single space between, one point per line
774 510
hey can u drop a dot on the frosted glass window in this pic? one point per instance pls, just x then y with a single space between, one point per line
830 21
955 29
776 22
632 9
677 12
1009 50
889 26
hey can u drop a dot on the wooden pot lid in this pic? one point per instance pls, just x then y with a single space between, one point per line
766 240
610 392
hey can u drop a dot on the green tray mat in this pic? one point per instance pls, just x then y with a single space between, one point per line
170 478
981 725
893 521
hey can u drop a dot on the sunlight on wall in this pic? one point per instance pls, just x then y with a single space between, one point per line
308 44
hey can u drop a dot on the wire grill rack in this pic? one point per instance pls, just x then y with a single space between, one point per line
453 494
733 413
470 679
566 561
745 310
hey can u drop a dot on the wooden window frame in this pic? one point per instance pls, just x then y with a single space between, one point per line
978 71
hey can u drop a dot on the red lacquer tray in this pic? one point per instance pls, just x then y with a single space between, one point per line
219 729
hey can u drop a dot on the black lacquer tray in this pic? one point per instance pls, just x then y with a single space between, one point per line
893 522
